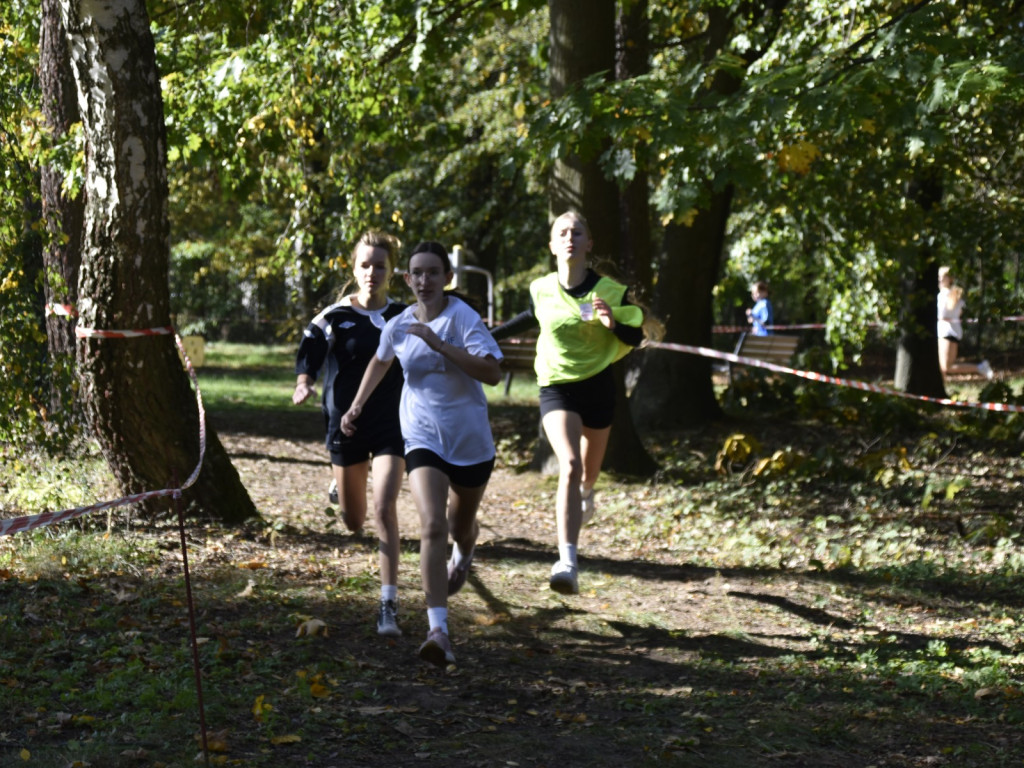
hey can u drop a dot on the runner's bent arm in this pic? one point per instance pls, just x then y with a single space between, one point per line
483 368
375 371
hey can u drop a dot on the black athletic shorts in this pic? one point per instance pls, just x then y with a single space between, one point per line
593 399
471 476
368 441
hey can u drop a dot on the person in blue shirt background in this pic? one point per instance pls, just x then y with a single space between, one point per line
760 315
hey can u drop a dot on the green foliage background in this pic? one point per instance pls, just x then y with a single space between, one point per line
294 127
23 365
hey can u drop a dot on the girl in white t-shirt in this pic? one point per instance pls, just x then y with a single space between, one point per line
950 329
446 351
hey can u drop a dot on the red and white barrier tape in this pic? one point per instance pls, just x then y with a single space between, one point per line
744 328
814 376
64 310
93 333
821 326
31 522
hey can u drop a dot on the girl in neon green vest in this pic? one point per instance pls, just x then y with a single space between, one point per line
586 324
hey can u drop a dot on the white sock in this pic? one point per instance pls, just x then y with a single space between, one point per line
438 617
567 554
389 592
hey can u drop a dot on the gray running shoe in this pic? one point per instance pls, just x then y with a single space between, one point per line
565 579
387 619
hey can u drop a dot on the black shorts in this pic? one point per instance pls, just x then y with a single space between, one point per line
471 476
376 440
954 339
593 399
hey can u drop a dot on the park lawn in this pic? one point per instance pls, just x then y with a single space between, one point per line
827 579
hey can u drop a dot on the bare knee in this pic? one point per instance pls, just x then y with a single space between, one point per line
385 515
572 469
434 528
463 528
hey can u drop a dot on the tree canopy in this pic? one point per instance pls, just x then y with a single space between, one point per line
293 127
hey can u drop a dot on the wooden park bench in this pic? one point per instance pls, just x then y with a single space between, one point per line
779 349
775 348
519 353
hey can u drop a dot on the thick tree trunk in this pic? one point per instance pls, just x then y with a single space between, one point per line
675 390
632 60
917 355
138 399
63 216
583 43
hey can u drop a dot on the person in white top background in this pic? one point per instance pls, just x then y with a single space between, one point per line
446 351
950 329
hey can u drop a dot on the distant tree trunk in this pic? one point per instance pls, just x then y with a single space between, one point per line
62 215
632 60
317 212
138 399
675 390
583 43
917 355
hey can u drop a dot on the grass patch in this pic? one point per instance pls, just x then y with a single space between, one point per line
246 377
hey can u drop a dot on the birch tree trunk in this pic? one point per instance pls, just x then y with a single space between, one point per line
138 399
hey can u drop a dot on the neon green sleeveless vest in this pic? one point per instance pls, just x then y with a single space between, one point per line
569 349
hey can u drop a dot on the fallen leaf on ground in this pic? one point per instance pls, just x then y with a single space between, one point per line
313 627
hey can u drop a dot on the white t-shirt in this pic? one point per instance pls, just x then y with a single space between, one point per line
443 409
949 317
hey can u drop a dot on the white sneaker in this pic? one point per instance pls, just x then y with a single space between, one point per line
986 370
387 619
332 492
565 579
587 500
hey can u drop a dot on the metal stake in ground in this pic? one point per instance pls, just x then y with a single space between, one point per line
192 625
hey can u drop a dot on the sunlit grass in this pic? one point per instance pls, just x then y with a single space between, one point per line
247 376
225 354
257 376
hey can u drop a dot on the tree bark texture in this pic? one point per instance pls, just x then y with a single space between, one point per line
137 395
63 216
917 358
632 60
675 390
917 354
583 43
